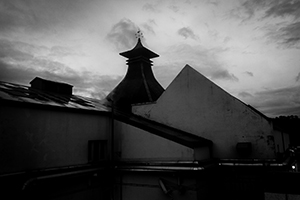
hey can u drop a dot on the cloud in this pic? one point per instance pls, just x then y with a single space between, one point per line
298 77
227 39
244 94
206 61
8 49
270 8
283 8
187 32
285 34
223 74
174 8
249 73
275 102
122 34
151 8
19 15
213 2
148 26
20 67
86 83
61 51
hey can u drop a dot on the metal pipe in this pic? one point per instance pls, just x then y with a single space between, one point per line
28 182
45 170
159 168
112 132
253 162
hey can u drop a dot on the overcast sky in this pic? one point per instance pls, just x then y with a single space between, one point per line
250 48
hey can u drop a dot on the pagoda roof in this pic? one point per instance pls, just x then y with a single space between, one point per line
139 50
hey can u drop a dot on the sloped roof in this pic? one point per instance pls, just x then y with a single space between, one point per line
168 132
25 94
191 87
139 50
139 84
10 92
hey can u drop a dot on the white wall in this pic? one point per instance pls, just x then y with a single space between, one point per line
195 104
132 143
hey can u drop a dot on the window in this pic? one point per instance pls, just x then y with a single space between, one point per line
97 150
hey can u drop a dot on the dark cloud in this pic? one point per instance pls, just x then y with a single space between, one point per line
249 73
244 94
223 74
291 35
298 77
151 8
283 8
94 85
174 8
61 51
213 2
122 34
9 50
270 8
42 15
19 67
187 32
227 39
206 61
14 14
149 28
275 102
16 75
86 83
285 34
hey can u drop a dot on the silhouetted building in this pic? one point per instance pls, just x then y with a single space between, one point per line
139 85
190 141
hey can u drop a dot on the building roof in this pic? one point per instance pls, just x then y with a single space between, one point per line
51 86
139 50
15 93
25 94
139 84
165 131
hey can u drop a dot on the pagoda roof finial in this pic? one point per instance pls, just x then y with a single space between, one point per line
139 49
139 34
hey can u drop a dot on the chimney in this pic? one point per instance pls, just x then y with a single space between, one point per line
139 84
51 86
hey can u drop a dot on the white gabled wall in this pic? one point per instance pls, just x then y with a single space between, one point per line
195 104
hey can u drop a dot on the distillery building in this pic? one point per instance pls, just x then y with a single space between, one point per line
192 140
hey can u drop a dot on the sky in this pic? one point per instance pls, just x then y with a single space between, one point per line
250 48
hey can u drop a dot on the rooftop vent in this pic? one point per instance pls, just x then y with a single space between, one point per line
51 86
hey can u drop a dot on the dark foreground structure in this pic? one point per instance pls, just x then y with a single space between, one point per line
190 141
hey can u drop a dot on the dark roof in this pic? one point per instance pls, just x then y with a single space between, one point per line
25 94
139 84
21 94
51 86
162 130
139 50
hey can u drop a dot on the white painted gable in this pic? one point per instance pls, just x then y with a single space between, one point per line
195 104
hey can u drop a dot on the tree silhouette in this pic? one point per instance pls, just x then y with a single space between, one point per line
291 125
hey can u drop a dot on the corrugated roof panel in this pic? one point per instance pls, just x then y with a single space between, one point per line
20 93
